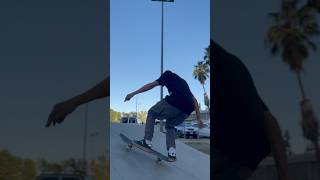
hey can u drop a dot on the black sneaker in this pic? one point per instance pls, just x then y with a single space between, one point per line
143 144
171 158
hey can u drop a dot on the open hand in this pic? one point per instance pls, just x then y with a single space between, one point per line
60 111
128 97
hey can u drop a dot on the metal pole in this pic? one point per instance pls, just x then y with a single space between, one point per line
85 140
161 90
162 4
137 108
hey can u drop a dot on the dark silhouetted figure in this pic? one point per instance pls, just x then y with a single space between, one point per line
61 110
244 130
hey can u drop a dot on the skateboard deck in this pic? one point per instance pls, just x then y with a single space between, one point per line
131 144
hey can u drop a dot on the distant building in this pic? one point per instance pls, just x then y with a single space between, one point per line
204 115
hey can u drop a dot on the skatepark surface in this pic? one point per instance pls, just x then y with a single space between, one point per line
191 164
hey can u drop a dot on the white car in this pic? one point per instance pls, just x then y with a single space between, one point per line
186 130
179 129
203 132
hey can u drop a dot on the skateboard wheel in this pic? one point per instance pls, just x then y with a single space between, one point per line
130 146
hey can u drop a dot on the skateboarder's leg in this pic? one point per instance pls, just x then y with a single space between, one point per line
155 112
149 128
171 132
161 110
170 137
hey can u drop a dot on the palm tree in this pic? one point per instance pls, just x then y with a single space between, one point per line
206 57
206 60
290 37
201 72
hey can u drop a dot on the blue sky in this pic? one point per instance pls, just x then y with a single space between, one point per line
135 47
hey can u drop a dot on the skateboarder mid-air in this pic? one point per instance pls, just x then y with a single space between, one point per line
175 108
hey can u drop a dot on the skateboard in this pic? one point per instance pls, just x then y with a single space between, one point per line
132 144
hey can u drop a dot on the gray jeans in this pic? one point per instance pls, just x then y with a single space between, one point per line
163 110
225 169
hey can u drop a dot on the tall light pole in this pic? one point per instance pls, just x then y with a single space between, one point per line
137 108
84 151
93 135
162 14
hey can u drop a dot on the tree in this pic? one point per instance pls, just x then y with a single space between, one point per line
206 57
142 115
201 73
290 37
9 166
115 116
28 170
43 165
73 165
15 168
99 168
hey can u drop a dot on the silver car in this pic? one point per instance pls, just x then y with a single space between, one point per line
186 130
203 132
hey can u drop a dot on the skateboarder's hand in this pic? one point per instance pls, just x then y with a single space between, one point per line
128 97
60 111
200 124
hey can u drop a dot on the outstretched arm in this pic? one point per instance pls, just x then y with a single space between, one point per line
277 145
61 110
144 88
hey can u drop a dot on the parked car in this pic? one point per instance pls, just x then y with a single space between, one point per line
60 176
186 130
203 132
131 120
180 130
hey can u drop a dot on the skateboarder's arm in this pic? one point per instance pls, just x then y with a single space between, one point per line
144 88
197 110
61 110
277 145
100 90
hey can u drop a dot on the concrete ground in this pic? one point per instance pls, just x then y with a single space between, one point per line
136 164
